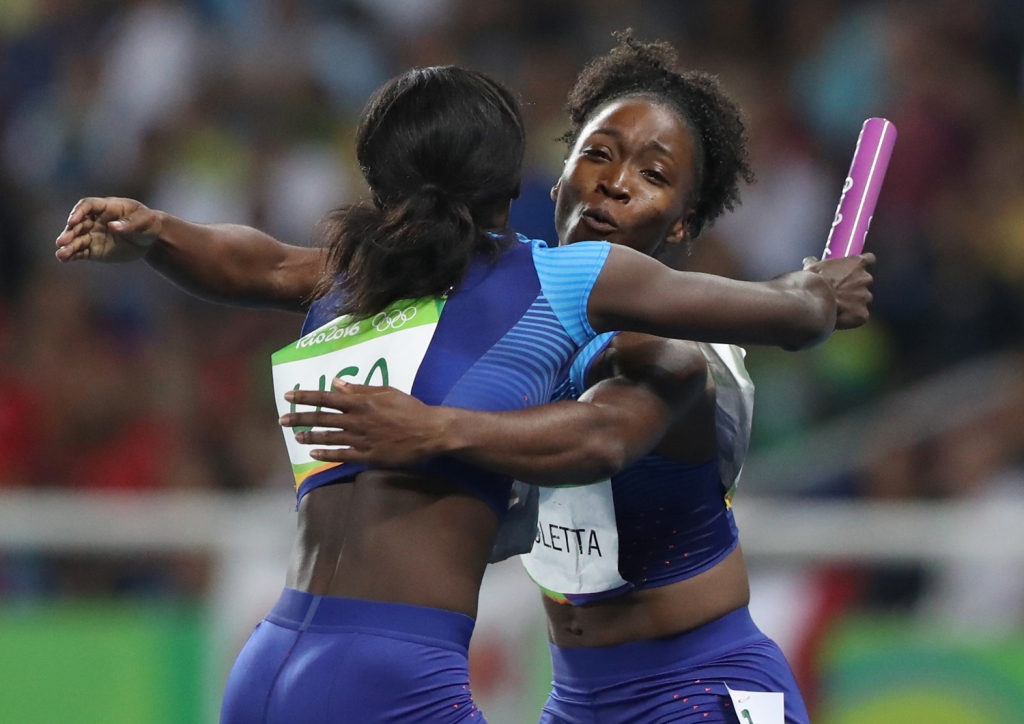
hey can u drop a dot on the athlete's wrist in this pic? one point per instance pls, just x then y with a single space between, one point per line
163 232
812 305
454 434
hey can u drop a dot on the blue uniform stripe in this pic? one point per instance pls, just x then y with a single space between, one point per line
581 365
562 390
567 275
521 363
501 344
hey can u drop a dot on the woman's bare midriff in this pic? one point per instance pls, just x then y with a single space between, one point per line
395 537
652 613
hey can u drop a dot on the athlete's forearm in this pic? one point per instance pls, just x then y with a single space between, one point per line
565 443
236 264
634 292
562 443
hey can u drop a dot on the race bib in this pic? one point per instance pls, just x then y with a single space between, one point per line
758 707
576 549
386 349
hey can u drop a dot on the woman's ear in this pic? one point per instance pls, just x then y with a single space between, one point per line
680 230
554 190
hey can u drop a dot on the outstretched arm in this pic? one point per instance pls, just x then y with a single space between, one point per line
617 421
219 262
794 311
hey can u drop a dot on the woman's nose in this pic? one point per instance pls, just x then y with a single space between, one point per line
613 185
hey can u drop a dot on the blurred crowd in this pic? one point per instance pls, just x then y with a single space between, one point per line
112 379
243 111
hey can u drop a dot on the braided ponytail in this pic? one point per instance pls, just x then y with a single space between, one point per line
441 149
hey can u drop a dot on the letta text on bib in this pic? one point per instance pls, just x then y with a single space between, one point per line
576 550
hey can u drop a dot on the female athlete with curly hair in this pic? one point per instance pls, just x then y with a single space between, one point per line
644 582
382 591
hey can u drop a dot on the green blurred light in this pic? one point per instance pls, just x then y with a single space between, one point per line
103 663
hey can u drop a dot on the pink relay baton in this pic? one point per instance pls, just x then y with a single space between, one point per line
860 192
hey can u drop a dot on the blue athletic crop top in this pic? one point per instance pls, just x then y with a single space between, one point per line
672 519
505 338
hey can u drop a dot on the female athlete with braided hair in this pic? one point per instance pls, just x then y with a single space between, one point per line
441 150
655 155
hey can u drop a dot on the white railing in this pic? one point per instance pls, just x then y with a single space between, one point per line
263 525
249 538
954 399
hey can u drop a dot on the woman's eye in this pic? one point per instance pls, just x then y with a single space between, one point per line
655 176
596 153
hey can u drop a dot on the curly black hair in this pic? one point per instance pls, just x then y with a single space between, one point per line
649 69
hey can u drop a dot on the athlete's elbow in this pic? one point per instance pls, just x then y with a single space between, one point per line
607 454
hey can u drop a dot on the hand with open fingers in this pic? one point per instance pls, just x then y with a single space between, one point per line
850 279
381 426
108 230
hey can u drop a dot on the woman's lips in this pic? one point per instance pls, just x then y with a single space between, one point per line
598 222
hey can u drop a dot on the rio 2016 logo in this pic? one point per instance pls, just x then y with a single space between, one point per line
394 319
328 335
382 322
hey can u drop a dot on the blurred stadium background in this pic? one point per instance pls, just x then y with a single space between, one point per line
145 512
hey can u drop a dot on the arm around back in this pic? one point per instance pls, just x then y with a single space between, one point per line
637 293
641 389
561 443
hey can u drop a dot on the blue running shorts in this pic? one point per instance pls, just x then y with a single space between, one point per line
325 659
680 679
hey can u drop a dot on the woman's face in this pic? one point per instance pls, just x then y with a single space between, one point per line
628 178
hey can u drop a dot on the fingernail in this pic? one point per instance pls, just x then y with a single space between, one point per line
300 436
316 454
338 382
289 396
283 420
116 224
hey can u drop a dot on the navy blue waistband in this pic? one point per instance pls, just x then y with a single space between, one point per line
732 631
330 614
